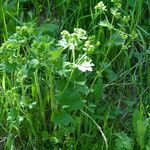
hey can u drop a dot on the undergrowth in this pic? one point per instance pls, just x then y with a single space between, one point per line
75 74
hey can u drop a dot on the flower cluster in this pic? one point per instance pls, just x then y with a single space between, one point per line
80 33
84 63
101 7
90 45
117 3
78 40
126 19
85 66
72 40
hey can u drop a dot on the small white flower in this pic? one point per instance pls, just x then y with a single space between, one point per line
63 43
81 34
85 66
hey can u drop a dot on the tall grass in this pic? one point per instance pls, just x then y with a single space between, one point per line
47 102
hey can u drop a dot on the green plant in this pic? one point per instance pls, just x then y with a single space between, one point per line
123 142
74 88
140 127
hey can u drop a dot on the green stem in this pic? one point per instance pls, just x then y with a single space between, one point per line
39 95
100 71
4 23
71 74
99 128
52 96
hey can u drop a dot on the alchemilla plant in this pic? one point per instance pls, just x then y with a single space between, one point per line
76 76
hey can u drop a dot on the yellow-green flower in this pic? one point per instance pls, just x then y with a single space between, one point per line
101 7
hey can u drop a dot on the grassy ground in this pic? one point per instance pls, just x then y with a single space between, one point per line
75 74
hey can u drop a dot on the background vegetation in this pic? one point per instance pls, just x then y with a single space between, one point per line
87 87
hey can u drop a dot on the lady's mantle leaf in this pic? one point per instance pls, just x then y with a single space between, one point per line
62 118
71 99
